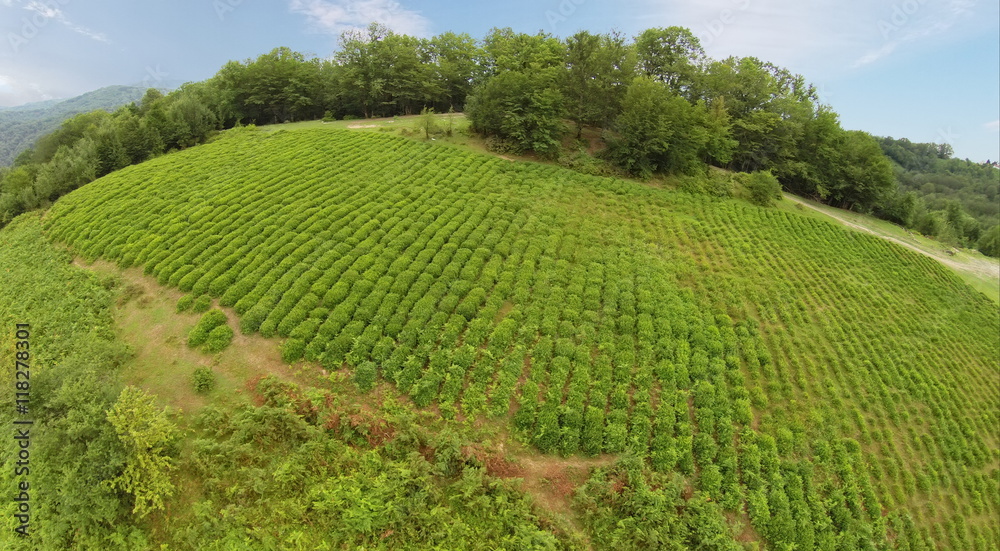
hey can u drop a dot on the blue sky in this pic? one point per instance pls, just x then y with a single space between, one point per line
928 70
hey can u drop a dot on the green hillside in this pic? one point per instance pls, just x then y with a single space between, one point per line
770 377
21 127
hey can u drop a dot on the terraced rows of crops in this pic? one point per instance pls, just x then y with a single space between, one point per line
838 390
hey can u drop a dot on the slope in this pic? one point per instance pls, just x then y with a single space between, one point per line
834 389
21 127
979 271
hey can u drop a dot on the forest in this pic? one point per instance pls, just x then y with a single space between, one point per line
659 104
958 201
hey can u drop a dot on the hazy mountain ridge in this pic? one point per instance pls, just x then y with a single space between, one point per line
22 125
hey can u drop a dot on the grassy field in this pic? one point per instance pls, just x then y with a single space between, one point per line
407 126
821 387
976 269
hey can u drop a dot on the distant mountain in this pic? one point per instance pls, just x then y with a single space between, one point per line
20 126
32 106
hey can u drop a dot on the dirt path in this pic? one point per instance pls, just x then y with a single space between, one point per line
163 363
974 266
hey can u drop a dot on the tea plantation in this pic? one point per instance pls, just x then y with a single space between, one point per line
780 379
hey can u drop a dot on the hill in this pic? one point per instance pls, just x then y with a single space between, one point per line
21 126
768 377
956 201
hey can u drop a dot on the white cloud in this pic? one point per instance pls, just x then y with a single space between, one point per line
337 16
913 21
50 11
19 89
820 36
993 126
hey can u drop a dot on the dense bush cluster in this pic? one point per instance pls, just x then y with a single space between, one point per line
610 317
98 461
211 333
203 379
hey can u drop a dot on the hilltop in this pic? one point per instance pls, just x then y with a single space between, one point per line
772 377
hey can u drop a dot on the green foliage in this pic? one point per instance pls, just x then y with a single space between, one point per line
201 332
218 339
203 379
762 188
201 304
658 131
474 283
24 125
428 123
596 65
989 243
292 350
365 375
185 303
520 108
929 173
627 507
73 444
617 317
146 434
672 56
383 476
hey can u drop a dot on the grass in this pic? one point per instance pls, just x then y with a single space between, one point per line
406 126
163 364
675 317
981 272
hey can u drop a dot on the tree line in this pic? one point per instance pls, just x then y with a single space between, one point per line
660 104
954 200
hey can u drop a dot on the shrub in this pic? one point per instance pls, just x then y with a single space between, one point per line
219 338
184 303
593 431
365 375
762 188
203 379
208 322
201 304
292 350
713 183
251 320
547 434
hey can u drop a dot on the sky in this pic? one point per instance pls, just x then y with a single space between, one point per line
927 70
